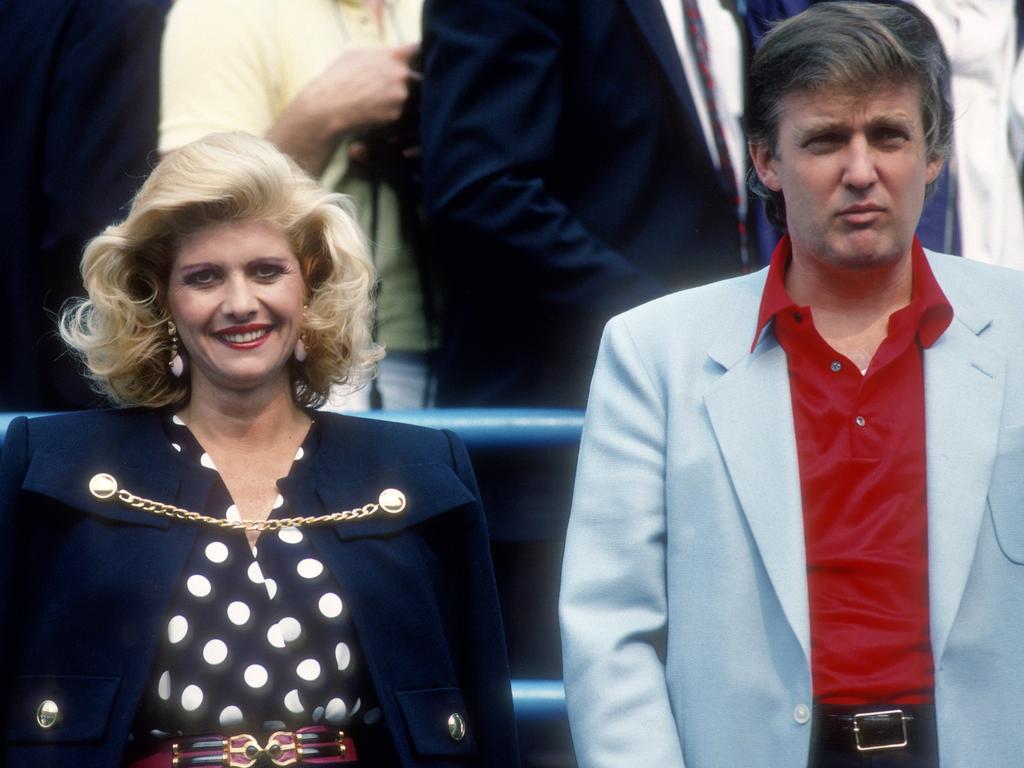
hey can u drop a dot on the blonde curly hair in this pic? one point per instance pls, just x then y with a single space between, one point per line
120 330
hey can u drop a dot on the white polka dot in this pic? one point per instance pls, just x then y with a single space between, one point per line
163 686
271 586
255 675
215 652
198 585
342 655
216 552
255 573
336 711
230 716
206 461
372 716
299 453
356 706
159 734
290 535
292 702
309 568
278 502
177 628
330 605
232 513
318 714
191 698
274 636
290 629
176 447
177 420
308 669
273 725
238 612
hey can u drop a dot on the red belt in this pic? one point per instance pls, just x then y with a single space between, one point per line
314 745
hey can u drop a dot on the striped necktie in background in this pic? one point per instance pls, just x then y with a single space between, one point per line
699 41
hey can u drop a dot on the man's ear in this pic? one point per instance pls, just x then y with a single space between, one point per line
764 164
933 169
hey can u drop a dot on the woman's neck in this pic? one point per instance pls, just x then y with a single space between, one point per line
215 416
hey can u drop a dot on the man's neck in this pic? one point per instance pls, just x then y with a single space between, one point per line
851 307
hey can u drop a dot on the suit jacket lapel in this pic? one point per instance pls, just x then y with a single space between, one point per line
650 17
752 418
964 385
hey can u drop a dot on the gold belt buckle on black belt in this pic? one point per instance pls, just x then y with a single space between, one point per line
880 730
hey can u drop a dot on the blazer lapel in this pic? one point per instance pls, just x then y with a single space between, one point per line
752 418
964 385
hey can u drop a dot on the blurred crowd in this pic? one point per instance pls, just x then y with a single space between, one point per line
523 169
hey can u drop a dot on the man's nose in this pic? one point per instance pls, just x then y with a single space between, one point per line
859 171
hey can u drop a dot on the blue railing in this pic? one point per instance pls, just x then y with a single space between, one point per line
478 427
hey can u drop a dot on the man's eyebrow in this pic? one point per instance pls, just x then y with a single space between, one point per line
826 125
816 126
901 119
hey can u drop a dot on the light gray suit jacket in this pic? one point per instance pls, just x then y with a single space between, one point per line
684 602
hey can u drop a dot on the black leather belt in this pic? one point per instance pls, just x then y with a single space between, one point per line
874 728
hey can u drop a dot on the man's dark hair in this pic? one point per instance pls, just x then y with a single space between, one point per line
857 47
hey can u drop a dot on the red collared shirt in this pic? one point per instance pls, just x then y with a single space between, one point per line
861 449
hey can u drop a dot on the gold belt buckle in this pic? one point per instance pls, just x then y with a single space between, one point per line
243 750
889 717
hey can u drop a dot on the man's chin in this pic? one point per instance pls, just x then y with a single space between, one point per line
866 250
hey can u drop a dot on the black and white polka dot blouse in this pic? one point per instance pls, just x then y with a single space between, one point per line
257 639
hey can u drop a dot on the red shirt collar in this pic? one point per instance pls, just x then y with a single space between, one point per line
931 309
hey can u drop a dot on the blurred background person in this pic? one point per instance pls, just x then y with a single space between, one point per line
80 84
295 585
983 43
333 84
578 160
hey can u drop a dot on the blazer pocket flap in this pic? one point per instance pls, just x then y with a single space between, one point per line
406 496
1006 500
60 708
66 477
438 722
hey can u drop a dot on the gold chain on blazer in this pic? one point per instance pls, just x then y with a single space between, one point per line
104 487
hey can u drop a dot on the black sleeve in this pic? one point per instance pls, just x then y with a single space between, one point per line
493 90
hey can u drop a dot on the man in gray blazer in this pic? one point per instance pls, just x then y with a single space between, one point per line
797 536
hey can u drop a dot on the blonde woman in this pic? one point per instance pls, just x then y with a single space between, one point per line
214 573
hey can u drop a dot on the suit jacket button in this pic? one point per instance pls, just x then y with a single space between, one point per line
392 500
47 714
456 726
801 713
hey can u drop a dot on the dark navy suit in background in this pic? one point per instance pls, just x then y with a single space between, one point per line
79 86
567 179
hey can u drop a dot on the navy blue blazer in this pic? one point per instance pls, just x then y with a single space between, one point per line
85 584
567 179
